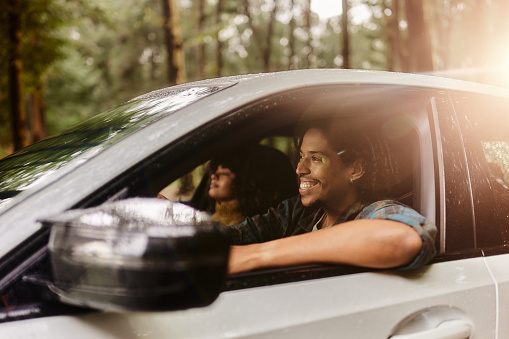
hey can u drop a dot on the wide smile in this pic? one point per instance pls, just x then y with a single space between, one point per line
307 185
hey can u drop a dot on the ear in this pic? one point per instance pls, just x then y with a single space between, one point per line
357 169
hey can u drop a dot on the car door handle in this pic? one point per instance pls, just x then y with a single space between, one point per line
450 329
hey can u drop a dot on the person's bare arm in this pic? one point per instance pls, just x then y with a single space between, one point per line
372 243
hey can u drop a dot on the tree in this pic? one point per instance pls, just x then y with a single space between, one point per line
173 41
42 47
420 56
395 52
38 125
309 46
36 48
268 44
344 35
292 64
255 28
18 119
201 45
219 44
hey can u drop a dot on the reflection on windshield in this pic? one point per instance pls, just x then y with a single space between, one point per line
35 165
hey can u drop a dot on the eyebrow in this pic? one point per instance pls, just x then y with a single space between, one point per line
316 152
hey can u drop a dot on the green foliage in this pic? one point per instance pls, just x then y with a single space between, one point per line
41 47
93 55
110 60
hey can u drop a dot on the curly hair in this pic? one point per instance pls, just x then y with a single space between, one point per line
264 176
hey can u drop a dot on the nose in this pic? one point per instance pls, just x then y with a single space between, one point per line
302 167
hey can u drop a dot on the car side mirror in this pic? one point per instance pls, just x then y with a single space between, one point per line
137 254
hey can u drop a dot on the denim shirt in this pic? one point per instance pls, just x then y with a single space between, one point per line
292 218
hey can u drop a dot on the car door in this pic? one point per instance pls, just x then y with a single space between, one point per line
454 295
483 120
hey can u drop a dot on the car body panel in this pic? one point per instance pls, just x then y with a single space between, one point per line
349 305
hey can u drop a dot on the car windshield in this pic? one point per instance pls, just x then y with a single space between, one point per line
37 164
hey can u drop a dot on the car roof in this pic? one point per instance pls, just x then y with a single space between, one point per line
294 78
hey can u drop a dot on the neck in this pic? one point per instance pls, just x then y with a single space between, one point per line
230 207
334 211
227 202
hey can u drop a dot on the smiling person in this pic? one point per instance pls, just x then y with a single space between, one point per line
339 216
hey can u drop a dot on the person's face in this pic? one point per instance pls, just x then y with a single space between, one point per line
221 185
323 177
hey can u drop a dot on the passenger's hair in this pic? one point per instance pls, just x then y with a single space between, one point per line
359 138
264 176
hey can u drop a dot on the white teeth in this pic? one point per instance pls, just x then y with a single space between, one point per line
305 185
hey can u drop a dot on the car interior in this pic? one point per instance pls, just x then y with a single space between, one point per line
273 122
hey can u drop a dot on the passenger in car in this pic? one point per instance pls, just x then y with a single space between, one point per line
248 180
339 168
227 206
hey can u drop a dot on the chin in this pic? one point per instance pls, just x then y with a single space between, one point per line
309 202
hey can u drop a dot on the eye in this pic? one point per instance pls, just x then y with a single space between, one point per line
318 159
218 175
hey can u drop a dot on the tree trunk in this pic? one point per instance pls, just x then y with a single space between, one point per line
18 118
219 47
442 16
418 38
393 37
291 39
38 116
201 46
309 47
173 39
256 32
400 50
268 47
344 35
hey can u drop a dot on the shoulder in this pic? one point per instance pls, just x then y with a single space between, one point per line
394 210
380 208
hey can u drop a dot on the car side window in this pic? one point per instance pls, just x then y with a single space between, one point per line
484 128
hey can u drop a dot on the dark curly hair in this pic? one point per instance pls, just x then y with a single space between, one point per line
264 176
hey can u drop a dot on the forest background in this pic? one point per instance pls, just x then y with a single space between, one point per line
63 61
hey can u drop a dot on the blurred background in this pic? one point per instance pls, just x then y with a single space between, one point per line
63 61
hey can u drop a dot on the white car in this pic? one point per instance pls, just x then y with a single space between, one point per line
62 276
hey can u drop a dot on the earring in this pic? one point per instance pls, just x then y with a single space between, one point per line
351 180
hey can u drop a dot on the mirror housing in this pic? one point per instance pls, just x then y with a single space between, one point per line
141 254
